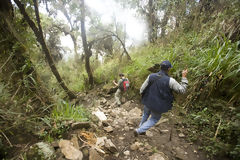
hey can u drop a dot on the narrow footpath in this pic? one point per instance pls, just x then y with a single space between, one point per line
111 136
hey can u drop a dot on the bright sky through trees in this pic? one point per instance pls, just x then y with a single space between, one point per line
107 9
135 27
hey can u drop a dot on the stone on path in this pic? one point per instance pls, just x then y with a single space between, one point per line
126 153
110 146
103 101
157 156
164 131
74 140
181 135
135 113
108 129
147 146
135 146
121 138
69 151
149 134
101 141
100 115
180 154
127 104
93 155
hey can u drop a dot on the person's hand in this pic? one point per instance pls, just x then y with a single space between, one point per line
184 73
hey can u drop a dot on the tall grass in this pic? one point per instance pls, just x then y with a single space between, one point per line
66 111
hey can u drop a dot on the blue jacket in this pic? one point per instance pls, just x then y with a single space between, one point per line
158 95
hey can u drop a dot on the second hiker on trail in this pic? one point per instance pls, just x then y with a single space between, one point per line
157 95
123 85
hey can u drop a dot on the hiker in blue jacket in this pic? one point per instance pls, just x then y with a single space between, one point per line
157 95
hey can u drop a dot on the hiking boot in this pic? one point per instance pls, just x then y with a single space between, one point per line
136 133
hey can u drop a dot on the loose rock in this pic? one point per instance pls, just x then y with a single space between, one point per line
69 151
100 115
108 129
126 153
110 146
181 135
135 146
101 141
157 156
164 131
180 153
93 155
74 140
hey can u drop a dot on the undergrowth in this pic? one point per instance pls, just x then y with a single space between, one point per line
61 116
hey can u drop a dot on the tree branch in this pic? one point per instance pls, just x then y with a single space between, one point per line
39 35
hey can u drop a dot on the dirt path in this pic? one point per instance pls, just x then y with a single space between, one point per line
165 141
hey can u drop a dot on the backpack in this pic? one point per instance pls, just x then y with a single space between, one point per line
124 85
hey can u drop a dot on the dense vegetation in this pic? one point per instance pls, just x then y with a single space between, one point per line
36 89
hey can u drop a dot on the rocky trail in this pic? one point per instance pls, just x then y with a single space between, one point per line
110 135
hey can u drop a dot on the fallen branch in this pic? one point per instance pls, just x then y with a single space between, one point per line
217 129
93 146
6 61
16 92
6 138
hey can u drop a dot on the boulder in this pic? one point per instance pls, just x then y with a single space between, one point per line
69 151
74 141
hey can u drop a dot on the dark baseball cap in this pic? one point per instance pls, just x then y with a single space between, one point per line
165 65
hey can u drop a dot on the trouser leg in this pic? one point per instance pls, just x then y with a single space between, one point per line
146 114
155 117
118 96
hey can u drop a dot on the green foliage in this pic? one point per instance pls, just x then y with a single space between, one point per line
112 68
58 122
4 93
215 129
68 111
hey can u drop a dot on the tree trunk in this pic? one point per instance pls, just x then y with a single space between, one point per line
86 47
152 22
165 21
124 47
39 35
